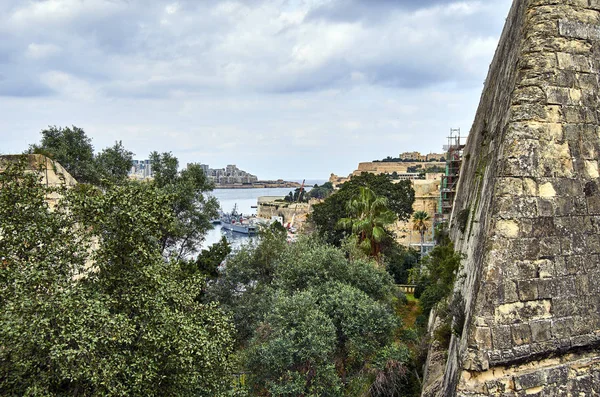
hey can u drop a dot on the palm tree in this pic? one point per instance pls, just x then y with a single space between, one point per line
369 215
420 219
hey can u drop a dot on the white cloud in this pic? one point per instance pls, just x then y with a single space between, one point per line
69 86
39 51
249 79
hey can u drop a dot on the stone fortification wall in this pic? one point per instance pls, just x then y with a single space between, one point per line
288 211
50 172
527 215
390 167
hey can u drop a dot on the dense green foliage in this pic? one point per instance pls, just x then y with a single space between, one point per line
310 321
321 192
428 169
191 207
114 163
73 149
399 261
297 196
437 275
210 259
89 305
326 215
369 216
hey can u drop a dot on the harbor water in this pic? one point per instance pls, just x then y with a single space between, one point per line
245 199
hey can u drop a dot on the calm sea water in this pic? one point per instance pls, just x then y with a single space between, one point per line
245 199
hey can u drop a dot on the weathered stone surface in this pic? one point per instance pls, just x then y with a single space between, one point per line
531 280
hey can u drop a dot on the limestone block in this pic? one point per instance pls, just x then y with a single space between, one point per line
545 288
574 264
564 307
587 80
546 190
521 334
528 94
579 206
502 337
508 228
541 331
509 187
576 62
555 160
545 268
582 285
591 169
517 207
592 244
564 287
529 187
593 205
532 310
527 381
542 43
561 328
483 337
563 96
526 269
579 30
550 246
543 131
527 290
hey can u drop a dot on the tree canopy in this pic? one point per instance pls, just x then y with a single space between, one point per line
72 148
90 306
114 163
369 215
192 207
311 321
326 215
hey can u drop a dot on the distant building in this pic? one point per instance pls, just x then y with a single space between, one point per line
417 156
230 175
141 169
412 156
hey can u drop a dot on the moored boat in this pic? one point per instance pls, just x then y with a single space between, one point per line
237 223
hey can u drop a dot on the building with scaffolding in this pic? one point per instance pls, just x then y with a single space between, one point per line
454 154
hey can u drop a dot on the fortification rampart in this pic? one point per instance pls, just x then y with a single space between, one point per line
529 205
391 167
50 172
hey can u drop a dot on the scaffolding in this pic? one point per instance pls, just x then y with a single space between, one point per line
454 153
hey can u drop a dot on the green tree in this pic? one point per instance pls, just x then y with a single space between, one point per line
399 261
291 352
164 167
326 215
321 192
210 259
420 219
438 274
72 148
313 321
192 207
369 215
90 307
114 163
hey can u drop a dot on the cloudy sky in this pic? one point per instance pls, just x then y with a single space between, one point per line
283 88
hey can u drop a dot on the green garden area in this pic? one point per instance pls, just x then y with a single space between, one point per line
105 293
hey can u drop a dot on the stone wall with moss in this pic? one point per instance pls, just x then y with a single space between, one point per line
529 205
